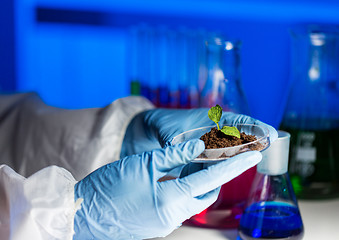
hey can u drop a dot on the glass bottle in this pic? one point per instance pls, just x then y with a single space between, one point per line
312 113
223 87
272 210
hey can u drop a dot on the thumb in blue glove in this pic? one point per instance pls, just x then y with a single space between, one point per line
125 200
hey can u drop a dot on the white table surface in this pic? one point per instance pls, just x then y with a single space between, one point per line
320 218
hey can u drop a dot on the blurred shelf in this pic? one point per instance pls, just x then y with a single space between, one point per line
286 11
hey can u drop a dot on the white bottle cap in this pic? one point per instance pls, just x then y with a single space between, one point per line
275 158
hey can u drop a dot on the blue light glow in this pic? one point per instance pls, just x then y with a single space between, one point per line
78 65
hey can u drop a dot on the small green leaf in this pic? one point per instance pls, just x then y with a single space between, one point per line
231 131
215 114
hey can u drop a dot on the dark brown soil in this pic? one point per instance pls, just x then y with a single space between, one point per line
217 139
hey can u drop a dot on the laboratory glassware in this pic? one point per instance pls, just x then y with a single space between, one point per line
223 87
182 45
134 75
165 65
172 84
312 112
223 83
160 65
194 46
138 66
272 210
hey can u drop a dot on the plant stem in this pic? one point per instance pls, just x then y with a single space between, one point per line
218 126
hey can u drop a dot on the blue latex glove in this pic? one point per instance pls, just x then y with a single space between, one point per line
156 128
125 200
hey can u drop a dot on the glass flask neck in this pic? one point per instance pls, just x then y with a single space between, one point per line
275 158
223 83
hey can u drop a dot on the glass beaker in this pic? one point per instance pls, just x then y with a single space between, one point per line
312 113
272 210
223 87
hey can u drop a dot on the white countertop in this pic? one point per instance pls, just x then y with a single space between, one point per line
320 218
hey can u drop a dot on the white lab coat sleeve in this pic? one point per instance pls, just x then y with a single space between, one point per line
34 135
40 207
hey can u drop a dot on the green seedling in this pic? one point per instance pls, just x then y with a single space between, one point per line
231 131
215 115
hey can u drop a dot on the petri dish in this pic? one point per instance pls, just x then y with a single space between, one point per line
219 154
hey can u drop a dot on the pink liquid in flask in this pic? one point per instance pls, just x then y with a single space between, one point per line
226 212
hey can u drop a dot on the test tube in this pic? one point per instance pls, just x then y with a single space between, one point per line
163 58
173 75
141 58
182 67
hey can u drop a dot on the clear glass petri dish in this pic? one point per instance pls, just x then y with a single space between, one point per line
219 154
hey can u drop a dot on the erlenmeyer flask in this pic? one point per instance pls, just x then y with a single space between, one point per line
223 84
223 87
312 114
272 210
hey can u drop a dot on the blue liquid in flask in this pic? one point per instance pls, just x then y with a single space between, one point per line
271 220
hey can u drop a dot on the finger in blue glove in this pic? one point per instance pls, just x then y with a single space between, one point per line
125 200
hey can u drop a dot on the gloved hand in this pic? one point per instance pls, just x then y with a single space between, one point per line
125 200
156 128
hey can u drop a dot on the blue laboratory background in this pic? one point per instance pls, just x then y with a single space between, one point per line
73 53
